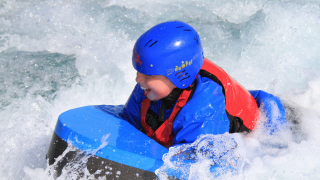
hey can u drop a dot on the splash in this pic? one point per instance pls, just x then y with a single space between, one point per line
72 164
83 51
210 157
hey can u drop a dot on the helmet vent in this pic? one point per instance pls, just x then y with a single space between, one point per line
180 72
182 75
179 27
153 43
185 78
148 42
187 30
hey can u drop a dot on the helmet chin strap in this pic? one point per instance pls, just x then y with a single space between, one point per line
169 101
164 133
157 128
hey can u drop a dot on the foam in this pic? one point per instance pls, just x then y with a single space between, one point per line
268 45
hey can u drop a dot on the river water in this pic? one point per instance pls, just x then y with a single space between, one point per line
58 55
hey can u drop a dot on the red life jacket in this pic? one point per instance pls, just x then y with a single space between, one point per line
239 103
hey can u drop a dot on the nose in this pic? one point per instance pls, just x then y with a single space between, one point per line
140 77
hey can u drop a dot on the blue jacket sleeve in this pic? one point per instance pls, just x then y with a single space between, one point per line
131 110
203 114
273 109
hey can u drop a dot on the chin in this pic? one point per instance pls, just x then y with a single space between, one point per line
153 97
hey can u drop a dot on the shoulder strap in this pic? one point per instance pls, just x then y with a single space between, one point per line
240 104
143 113
163 134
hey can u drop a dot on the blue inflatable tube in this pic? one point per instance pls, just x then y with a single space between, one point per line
112 142
130 153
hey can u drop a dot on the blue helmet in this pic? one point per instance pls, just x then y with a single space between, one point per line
172 49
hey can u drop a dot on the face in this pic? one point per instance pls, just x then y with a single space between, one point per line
156 86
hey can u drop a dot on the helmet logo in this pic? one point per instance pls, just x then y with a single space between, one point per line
137 58
169 71
183 65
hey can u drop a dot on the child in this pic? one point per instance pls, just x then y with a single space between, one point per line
180 94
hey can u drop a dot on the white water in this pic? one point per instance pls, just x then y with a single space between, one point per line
58 55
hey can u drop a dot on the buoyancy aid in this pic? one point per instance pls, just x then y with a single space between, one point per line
163 134
241 107
239 102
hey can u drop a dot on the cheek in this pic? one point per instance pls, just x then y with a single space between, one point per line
159 89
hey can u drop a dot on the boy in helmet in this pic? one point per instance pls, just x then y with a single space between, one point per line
180 94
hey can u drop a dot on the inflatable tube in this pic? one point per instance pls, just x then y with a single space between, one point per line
118 150
129 154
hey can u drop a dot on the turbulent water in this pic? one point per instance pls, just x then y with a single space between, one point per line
58 55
